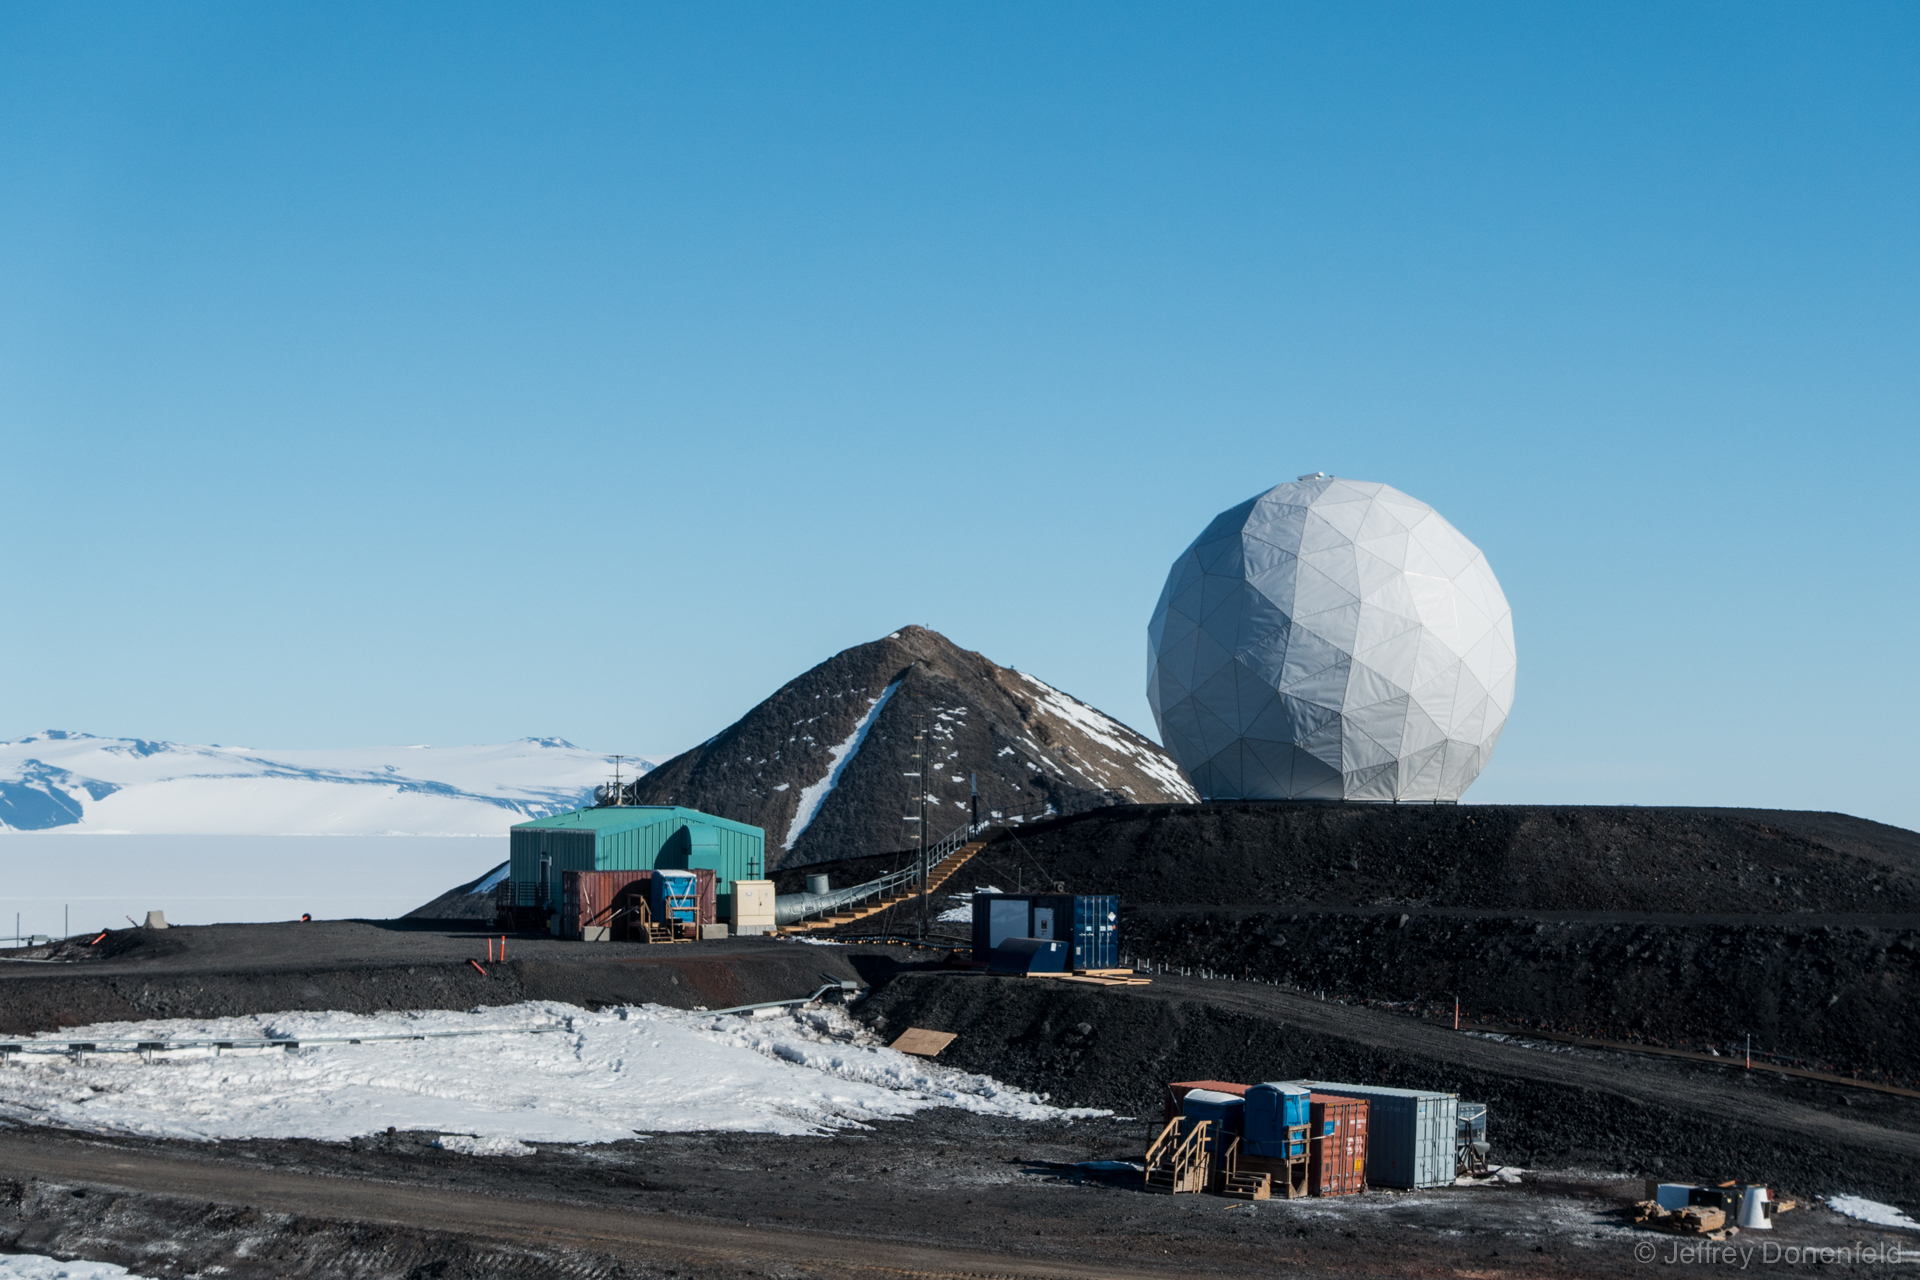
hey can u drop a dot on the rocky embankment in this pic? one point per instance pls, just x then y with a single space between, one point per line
1689 928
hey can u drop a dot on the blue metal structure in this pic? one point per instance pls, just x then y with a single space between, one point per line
1090 921
1273 1110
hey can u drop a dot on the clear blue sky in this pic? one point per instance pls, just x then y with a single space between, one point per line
451 373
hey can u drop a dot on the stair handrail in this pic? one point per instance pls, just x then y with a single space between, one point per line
792 908
1153 1148
947 844
1192 1140
1189 1157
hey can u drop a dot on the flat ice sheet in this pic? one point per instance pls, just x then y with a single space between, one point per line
589 1077
85 883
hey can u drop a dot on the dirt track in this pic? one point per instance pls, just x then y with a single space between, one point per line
537 1224
945 1194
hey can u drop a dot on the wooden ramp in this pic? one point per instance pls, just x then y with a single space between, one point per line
941 873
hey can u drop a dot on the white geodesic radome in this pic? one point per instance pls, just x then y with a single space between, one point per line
1334 640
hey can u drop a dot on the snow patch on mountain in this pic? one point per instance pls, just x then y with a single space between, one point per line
838 756
1107 735
77 782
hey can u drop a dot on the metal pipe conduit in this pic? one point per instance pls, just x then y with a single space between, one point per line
257 1042
792 908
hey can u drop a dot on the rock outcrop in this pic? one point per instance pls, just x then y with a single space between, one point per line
825 764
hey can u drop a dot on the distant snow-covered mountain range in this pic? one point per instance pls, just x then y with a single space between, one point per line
76 782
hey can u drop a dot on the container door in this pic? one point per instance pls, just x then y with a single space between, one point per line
1043 922
1008 919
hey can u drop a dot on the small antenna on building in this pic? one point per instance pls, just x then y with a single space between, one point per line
619 796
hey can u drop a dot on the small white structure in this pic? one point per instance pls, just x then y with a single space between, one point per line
156 919
1331 639
1753 1210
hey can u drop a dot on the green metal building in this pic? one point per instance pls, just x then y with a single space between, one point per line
630 838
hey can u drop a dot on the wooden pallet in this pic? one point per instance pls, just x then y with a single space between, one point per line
1095 980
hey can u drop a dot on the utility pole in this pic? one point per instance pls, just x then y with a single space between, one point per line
920 742
917 787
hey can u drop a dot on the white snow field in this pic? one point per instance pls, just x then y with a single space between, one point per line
76 782
37 1266
93 830
1881 1215
552 1073
62 883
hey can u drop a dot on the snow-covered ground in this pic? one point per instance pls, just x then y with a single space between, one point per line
546 1072
37 1266
1881 1215
75 782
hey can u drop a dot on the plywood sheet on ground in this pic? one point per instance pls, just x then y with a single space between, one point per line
924 1043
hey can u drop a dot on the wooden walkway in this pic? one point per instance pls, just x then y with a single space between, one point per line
848 915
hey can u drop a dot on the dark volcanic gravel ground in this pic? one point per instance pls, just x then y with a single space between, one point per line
361 966
1689 928
1114 1046
944 1179
1676 926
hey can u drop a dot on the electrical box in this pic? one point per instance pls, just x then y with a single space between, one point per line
752 907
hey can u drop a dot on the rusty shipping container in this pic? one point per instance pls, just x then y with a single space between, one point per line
1337 1154
596 898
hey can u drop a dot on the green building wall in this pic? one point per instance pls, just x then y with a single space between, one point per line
633 838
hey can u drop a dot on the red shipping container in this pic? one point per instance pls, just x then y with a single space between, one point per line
1337 1152
589 898
1177 1094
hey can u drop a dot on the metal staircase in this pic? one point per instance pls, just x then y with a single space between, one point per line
884 894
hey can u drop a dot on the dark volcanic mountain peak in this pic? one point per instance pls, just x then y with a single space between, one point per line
823 764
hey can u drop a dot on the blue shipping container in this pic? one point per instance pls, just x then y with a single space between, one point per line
1410 1133
1090 921
1272 1109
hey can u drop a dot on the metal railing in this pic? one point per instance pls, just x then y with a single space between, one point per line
792 908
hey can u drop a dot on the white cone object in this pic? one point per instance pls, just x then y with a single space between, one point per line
1753 1210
